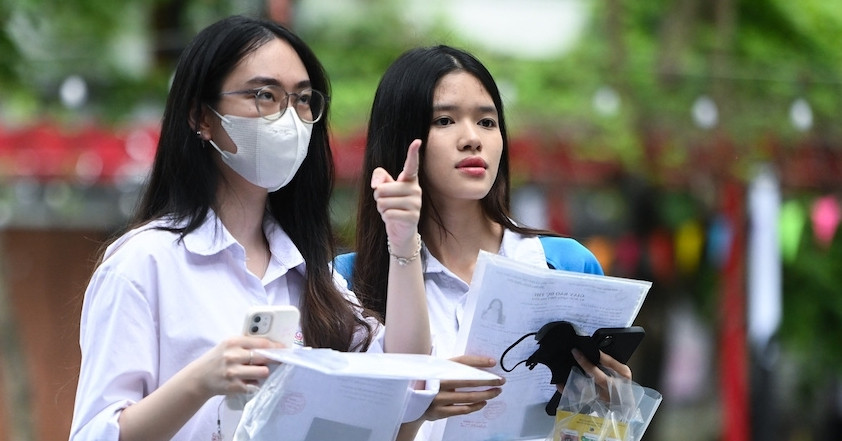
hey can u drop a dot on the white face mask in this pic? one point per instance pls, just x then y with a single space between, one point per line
269 153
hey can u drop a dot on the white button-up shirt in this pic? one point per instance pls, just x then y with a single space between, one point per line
156 304
447 293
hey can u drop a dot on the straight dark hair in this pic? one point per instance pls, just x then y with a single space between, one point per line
184 177
401 112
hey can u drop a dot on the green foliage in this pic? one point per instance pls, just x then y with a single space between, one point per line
812 304
778 50
11 57
659 56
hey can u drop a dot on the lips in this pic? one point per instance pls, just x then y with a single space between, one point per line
472 163
473 167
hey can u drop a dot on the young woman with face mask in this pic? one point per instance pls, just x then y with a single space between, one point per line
234 214
445 100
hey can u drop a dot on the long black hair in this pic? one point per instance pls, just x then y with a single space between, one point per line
184 178
401 112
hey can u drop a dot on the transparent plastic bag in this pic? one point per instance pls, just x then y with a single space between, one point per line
622 415
260 408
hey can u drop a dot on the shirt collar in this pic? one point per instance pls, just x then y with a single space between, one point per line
514 245
430 263
281 246
212 238
524 249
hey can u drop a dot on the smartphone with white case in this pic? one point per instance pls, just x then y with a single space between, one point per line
275 322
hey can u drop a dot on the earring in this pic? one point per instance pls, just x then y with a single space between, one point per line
199 133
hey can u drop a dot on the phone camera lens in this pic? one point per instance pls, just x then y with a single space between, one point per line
256 319
606 341
254 329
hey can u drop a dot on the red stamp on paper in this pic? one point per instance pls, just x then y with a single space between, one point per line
292 403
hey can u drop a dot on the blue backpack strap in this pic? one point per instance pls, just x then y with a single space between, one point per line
562 253
567 254
344 265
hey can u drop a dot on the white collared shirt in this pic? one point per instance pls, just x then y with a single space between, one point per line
156 304
447 293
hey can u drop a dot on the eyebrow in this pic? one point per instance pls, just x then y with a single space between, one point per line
269 81
452 107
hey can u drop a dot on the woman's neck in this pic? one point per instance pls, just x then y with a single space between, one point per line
466 231
242 214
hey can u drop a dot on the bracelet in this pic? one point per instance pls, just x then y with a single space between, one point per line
404 261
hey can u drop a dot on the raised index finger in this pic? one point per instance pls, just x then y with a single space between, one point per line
410 166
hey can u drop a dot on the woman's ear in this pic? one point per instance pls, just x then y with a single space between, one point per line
201 123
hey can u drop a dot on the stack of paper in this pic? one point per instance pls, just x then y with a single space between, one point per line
523 298
322 394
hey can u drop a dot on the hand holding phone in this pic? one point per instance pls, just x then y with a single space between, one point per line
619 343
278 323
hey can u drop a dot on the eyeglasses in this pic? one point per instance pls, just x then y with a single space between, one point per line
272 101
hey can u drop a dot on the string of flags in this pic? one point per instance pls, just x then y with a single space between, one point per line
691 243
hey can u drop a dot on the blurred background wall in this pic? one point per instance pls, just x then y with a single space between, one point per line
693 143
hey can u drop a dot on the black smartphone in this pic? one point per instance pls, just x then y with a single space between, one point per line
619 343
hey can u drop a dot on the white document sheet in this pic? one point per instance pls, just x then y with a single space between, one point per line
374 365
321 394
507 300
